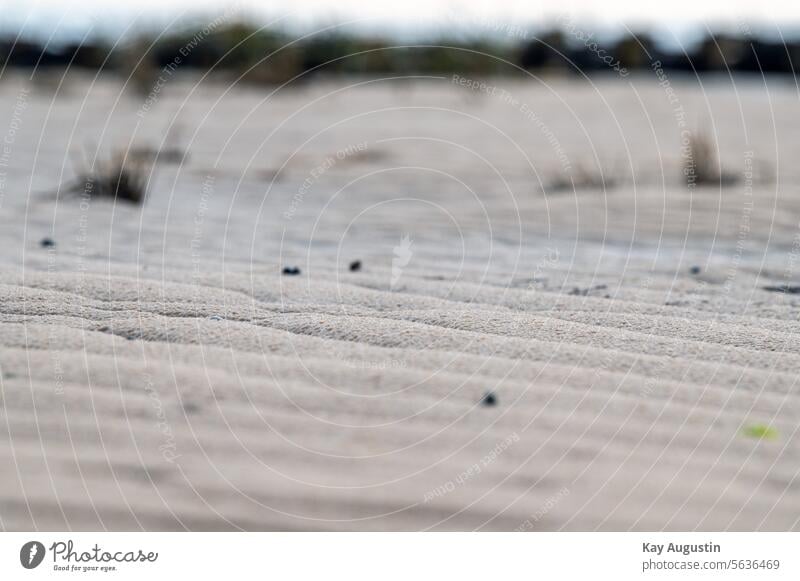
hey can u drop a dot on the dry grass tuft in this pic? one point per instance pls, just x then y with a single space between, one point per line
701 165
120 178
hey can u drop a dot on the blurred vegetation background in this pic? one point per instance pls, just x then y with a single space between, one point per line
244 51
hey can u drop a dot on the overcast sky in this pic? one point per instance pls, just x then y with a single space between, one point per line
408 16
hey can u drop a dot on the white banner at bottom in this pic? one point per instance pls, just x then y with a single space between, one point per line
400 556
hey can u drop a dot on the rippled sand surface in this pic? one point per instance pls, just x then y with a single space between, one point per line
510 353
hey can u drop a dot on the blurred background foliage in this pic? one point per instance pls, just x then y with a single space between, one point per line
253 54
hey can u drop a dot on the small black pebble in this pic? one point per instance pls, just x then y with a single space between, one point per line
355 266
47 243
694 270
489 400
291 270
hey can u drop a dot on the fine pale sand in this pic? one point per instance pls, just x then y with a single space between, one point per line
159 372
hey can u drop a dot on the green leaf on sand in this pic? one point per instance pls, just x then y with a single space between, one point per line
761 432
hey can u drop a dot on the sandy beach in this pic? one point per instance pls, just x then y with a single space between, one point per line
470 342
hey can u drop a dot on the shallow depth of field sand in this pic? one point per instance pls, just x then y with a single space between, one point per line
158 372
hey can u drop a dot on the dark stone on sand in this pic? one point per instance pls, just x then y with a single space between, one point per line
694 270
47 243
291 270
489 400
355 266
